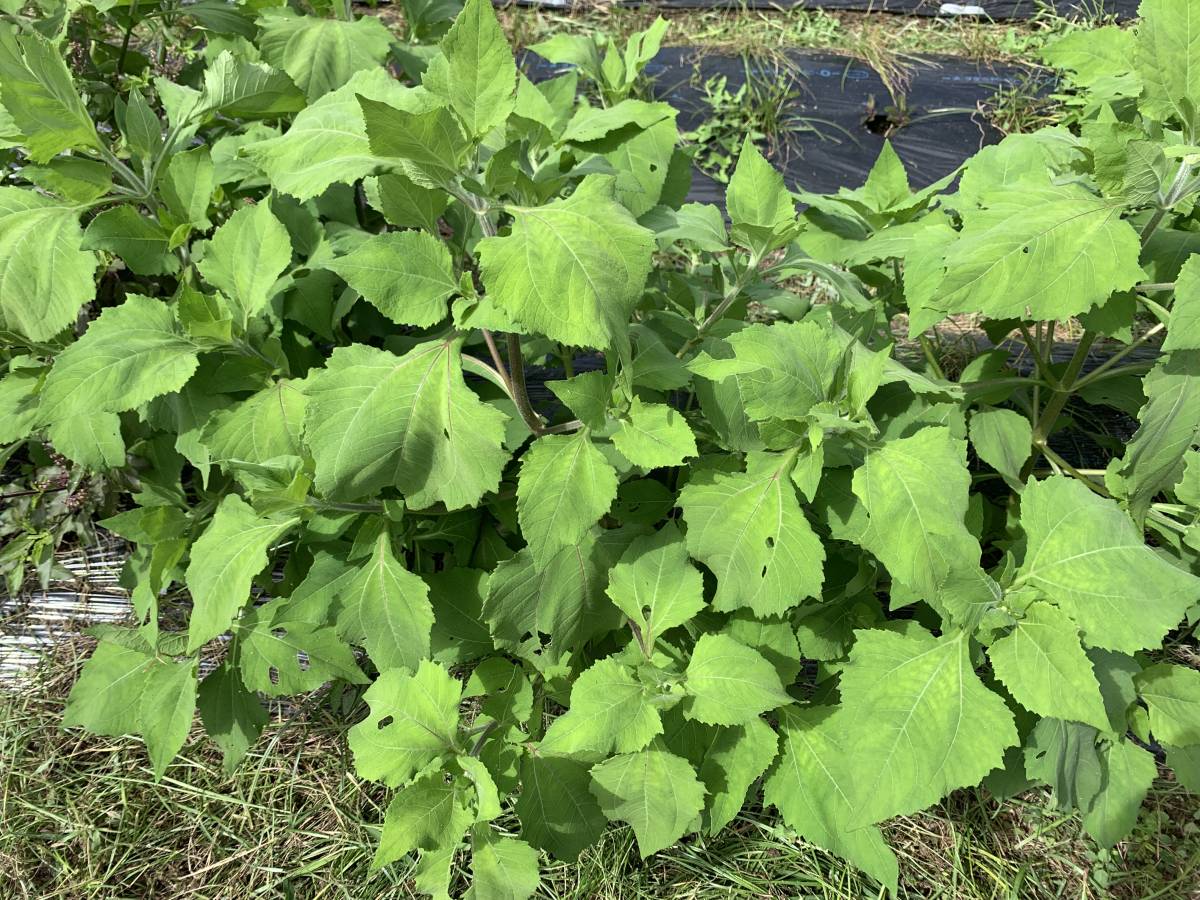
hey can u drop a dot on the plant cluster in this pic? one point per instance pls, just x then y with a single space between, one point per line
285 308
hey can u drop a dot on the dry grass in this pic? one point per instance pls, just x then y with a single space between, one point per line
83 818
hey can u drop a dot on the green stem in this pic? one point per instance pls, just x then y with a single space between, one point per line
931 357
125 40
1062 393
1095 374
1035 350
1078 474
1152 287
516 376
726 301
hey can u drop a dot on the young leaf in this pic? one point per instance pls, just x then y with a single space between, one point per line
246 256
749 530
386 608
565 485
417 133
187 186
244 90
427 814
1044 666
610 710
413 721
129 355
232 550
654 435
45 274
1086 556
654 791
572 269
728 683
90 439
479 75
142 244
655 584
376 420
502 868
407 275
760 205
278 656
1003 439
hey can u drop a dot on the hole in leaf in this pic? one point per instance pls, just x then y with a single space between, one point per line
303 662
764 572
653 167
385 722
770 542
273 675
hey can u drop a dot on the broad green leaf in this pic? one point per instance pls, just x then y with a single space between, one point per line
1085 555
427 814
654 791
321 54
19 402
386 609
642 164
245 258
39 95
232 715
887 183
782 370
727 760
376 420
1184 330
654 435
760 206
230 552
610 709
129 355
502 868
728 683
655 584
406 204
45 274
459 632
1172 694
590 124
1092 54
74 178
107 697
413 721
557 810
915 491
563 600
418 134
187 186
1168 426
1003 439
479 75
279 656
327 141
813 787
407 275
1040 252
1185 763
573 269
587 395
749 530
166 709
1128 773
564 487
1165 51
1044 667
1063 755
916 722
143 245
265 425
244 90
90 439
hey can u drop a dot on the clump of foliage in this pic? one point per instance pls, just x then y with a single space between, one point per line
738 558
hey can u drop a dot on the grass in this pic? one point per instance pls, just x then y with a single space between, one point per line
83 818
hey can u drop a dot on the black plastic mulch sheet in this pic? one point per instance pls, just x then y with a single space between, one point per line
997 10
842 112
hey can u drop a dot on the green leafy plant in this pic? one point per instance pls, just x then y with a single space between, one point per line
735 558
